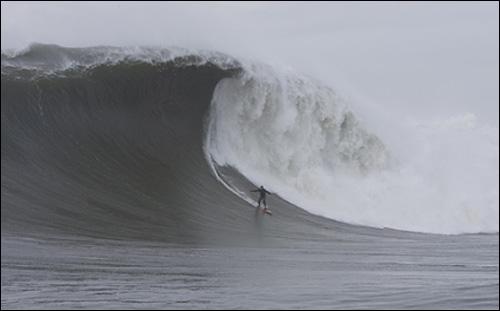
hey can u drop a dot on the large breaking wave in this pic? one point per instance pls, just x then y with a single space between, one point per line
127 142
302 139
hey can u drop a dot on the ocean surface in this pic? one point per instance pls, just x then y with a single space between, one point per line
126 175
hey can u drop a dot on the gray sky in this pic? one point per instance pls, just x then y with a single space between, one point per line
434 59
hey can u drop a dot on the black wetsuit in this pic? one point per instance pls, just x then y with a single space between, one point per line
262 197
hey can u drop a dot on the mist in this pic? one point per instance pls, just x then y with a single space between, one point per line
424 60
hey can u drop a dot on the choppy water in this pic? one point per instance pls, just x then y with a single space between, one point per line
392 272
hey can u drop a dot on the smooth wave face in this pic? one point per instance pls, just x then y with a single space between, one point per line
112 149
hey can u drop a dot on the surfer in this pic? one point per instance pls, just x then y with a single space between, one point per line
262 197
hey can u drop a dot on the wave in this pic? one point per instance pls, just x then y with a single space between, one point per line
126 142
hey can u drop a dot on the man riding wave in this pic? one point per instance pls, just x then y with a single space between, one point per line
262 197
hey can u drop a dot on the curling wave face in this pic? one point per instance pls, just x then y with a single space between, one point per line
109 146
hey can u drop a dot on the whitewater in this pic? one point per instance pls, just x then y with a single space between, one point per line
301 139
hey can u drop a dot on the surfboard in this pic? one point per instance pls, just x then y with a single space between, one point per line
267 211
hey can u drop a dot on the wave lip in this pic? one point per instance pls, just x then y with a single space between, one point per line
52 59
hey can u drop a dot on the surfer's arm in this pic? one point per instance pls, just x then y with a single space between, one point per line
257 190
268 192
